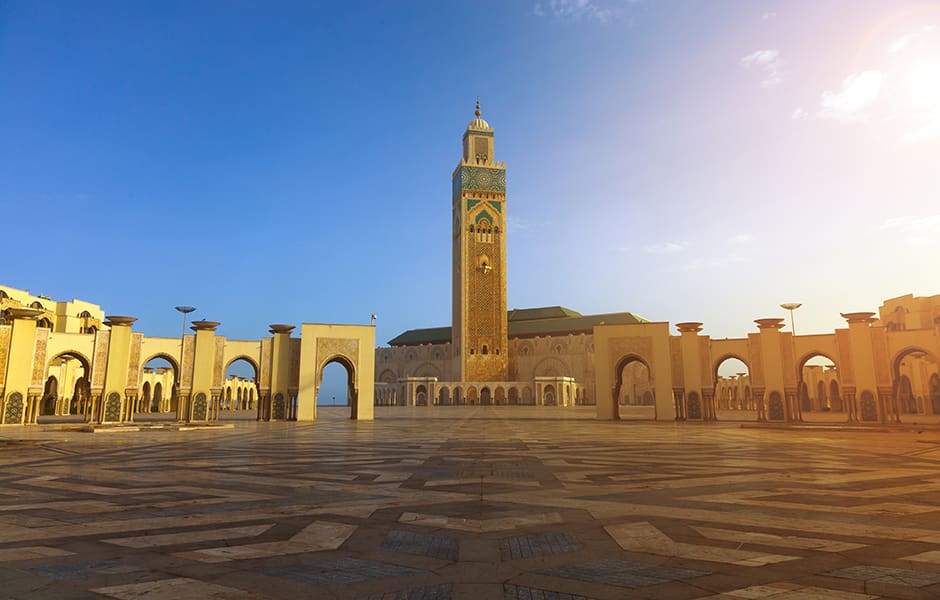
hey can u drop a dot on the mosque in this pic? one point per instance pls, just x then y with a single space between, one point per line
59 358
548 356
535 356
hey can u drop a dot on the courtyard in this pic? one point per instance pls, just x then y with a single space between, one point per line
470 502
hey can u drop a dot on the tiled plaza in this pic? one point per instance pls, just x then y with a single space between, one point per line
464 502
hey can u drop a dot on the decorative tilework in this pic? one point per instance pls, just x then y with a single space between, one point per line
498 206
775 407
199 407
278 409
869 408
479 178
112 408
471 203
14 408
483 215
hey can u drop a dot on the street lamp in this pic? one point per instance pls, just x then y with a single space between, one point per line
791 306
179 376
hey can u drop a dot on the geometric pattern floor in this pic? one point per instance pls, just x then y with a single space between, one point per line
470 502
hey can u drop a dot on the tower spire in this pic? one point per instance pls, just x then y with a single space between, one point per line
477 112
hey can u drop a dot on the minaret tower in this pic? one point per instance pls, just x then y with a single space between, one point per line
480 343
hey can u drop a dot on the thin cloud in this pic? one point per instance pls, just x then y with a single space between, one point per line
904 41
768 15
516 224
800 114
926 132
913 231
575 10
858 91
666 247
911 223
769 63
716 262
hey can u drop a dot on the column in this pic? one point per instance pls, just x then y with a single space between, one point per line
198 407
280 372
692 378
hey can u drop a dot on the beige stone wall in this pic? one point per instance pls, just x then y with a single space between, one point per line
73 316
548 356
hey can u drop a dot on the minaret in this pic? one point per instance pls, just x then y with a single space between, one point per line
480 344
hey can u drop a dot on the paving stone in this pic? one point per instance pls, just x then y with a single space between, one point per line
82 570
421 544
535 545
516 592
288 510
435 592
889 575
338 571
622 574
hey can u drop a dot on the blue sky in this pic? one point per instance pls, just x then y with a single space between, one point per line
290 162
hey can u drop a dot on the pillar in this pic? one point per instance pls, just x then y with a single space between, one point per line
772 363
19 367
280 372
113 407
199 408
863 367
692 376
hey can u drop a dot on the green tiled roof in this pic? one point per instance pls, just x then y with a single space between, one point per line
564 326
415 337
527 322
546 312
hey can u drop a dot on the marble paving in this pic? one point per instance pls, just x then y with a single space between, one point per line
470 503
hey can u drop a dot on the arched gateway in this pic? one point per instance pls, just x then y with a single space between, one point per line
353 346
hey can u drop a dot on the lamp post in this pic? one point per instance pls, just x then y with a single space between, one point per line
791 306
179 376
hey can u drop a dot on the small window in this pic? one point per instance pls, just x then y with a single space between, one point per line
485 350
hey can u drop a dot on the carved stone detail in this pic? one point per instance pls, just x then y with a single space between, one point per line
39 357
133 362
218 376
5 332
328 348
265 365
619 347
189 352
100 361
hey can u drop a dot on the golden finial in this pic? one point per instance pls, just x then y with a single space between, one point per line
478 113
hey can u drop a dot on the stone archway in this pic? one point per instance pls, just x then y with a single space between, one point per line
623 372
903 395
353 347
70 393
